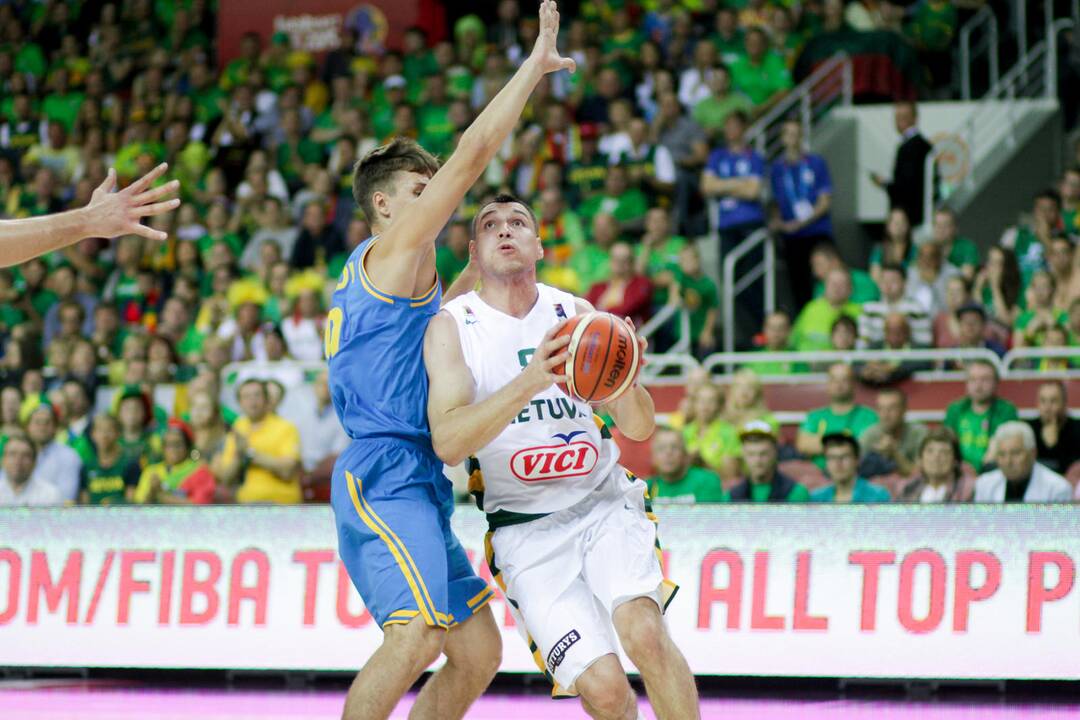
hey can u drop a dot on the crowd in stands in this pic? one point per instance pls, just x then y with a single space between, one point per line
114 351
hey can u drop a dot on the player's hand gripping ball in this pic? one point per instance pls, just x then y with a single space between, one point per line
604 357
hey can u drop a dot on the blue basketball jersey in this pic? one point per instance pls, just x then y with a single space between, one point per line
374 347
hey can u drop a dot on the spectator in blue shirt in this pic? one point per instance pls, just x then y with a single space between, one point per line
802 191
733 175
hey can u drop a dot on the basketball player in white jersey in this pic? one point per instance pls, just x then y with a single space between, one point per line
572 543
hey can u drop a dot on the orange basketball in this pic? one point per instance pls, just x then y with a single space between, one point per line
604 357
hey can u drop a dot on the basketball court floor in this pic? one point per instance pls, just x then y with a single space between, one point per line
125 701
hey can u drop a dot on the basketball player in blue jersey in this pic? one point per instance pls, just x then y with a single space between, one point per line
391 502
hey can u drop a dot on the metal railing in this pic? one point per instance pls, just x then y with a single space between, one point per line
829 85
825 357
996 120
985 23
731 289
665 315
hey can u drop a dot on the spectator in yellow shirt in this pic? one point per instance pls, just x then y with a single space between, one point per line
262 452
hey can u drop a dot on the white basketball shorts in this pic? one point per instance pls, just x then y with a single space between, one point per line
566 573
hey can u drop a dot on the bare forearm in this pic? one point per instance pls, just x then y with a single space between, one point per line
21 240
462 431
635 414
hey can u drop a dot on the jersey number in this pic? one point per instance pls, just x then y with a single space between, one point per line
332 334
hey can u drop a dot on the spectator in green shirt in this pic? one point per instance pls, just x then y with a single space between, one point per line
592 264
697 294
626 204
108 477
841 462
451 258
826 257
728 37
776 331
960 252
761 74
814 325
711 112
676 480
841 415
763 481
710 439
976 417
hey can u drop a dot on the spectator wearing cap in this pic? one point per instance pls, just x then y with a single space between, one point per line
763 481
977 416
802 192
814 324
891 445
261 457
676 479
56 463
940 476
841 415
108 476
180 478
18 484
1018 477
1057 436
841 465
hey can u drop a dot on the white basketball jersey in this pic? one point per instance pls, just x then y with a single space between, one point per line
556 451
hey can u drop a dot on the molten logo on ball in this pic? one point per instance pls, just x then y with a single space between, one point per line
617 368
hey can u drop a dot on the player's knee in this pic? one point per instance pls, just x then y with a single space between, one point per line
609 699
419 642
641 631
605 689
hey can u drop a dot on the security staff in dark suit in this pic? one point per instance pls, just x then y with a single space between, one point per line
909 169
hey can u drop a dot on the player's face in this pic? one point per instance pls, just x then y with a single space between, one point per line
506 242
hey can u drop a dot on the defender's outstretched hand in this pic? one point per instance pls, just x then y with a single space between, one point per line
545 52
110 214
